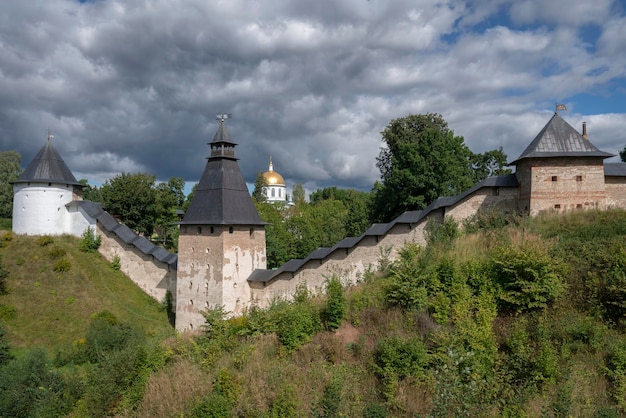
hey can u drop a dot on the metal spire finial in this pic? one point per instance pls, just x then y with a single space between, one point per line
223 116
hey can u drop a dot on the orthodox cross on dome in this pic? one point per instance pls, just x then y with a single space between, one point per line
271 165
223 116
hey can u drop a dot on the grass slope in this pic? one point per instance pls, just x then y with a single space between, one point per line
51 308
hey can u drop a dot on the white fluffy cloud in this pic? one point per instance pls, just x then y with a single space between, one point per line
135 85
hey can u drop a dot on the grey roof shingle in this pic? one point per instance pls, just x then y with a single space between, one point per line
560 139
615 169
48 167
125 233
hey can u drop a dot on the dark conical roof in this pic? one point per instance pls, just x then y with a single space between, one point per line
47 167
559 139
222 196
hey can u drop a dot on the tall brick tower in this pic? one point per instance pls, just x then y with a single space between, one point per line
221 241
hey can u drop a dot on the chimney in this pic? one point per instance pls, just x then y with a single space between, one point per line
585 131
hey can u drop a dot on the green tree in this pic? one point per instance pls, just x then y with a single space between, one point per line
280 243
622 154
169 197
10 170
260 183
92 193
132 198
357 203
422 161
489 163
190 197
298 194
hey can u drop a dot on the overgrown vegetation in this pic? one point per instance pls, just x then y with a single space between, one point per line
90 241
517 318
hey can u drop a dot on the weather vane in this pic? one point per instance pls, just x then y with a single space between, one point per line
223 116
559 106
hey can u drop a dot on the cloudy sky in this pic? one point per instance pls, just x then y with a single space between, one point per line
134 85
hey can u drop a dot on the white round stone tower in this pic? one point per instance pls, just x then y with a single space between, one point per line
41 193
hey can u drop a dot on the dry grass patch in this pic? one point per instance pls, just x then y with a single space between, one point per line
174 390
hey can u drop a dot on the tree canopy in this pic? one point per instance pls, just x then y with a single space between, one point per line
10 170
423 160
142 204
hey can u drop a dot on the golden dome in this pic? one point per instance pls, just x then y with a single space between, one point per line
273 178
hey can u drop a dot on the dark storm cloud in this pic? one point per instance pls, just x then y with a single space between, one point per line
135 85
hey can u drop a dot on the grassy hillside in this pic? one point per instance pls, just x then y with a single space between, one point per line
49 307
512 318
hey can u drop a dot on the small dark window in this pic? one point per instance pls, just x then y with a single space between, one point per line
579 178
199 230
579 206
496 191
554 178
212 229
230 230
557 206
251 231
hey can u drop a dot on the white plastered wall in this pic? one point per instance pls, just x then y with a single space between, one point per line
39 209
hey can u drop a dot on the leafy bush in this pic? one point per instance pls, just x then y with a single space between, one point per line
62 265
107 334
285 405
56 252
5 348
90 241
486 220
116 264
44 240
335 309
397 358
296 323
330 403
441 233
29 387
406 286
528 278
616 371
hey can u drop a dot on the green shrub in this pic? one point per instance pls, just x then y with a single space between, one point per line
528 278
44 240
285 405
56 252
30 387
330 403
7 311
213 406
616 371
399 358
486 220
116 264
62 265
296 323
5 347
441 233
90 241
335 309
407 281
107 334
